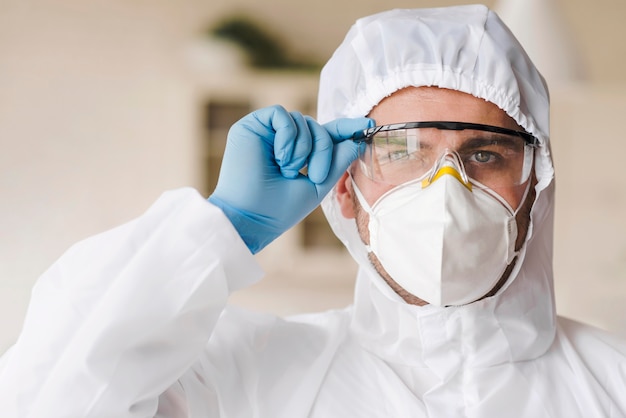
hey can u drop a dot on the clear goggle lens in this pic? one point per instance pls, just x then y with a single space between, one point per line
490 156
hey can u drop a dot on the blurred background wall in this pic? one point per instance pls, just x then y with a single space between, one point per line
105 104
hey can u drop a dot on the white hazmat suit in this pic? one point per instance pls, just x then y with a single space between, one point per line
134 322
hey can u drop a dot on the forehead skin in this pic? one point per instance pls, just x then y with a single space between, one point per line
415 104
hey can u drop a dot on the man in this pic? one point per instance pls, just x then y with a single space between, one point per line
446 204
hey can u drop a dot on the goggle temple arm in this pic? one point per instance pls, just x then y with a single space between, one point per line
529 154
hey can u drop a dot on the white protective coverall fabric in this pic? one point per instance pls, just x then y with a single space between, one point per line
134 323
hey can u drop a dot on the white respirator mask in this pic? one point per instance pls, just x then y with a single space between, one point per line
441 239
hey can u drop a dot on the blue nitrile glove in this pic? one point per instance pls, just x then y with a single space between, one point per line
260 187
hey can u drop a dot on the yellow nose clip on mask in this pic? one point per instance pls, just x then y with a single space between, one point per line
448 164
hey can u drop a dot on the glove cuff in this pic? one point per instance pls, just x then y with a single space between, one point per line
252 228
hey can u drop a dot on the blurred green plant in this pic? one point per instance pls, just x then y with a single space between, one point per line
263 49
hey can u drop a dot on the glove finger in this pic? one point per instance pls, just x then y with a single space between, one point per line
271 124
321 152
344 154
296 152
278 129
344 128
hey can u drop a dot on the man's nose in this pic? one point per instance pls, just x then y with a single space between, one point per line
449 163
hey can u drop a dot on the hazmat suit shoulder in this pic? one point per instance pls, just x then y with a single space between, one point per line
122 315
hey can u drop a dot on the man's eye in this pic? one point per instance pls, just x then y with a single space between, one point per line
482 156
397 155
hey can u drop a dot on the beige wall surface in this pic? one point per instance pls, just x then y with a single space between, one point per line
596 27
590 226
99 113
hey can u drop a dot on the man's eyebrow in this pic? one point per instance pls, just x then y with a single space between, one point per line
485 138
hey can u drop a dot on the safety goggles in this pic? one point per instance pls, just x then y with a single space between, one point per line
490 156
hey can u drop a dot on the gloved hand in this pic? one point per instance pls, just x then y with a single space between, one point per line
260 187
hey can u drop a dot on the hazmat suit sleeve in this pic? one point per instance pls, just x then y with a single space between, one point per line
122 315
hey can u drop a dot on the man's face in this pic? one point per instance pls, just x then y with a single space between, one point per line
416 104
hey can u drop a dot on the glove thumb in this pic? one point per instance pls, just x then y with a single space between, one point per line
344 150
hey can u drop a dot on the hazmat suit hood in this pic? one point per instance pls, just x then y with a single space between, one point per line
469 49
